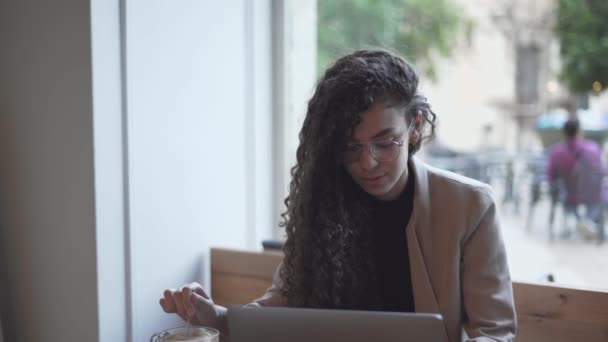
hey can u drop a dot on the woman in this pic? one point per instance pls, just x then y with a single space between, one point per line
371 227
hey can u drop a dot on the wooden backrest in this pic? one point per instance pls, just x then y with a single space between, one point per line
545 313
552 313
238 277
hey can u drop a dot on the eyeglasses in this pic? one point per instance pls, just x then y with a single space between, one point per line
381 151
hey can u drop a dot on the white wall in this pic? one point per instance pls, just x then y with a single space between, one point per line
191 108
47 199
130 142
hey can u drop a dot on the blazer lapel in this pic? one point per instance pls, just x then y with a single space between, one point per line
425 298
424 295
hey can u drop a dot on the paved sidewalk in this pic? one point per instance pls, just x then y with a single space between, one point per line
573 261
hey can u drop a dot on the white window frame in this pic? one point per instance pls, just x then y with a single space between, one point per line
295 59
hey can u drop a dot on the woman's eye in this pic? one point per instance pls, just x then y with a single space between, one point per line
383 144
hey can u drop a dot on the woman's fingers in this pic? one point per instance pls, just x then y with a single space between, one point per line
163 305
198 289
179 304
189 301
188 309
167 302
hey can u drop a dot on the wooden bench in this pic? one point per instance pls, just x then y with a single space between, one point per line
544 312
238 277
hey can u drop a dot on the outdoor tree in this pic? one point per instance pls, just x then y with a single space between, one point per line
420 30
583 34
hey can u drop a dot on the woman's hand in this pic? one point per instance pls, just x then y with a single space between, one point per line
191 303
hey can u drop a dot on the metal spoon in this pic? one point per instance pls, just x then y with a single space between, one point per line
189 328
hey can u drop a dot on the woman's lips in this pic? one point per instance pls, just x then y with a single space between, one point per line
372 180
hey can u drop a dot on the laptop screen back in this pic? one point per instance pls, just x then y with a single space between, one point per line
247 324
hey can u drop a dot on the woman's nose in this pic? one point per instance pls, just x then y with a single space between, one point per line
367 160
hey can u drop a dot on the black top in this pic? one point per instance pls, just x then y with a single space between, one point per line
390 220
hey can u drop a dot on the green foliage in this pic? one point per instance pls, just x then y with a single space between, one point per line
582 28
420 30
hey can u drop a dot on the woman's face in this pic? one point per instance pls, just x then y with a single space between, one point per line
381 128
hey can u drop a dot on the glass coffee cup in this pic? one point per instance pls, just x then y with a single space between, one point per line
190 334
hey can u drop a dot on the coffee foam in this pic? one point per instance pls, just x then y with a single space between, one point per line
178 337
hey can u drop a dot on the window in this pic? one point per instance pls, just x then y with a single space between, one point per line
502 88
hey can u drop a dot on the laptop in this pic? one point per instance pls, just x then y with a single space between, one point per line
274 324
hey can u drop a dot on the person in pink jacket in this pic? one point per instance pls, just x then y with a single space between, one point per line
370 226
575 167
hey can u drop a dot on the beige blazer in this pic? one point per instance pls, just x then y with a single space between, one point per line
457 258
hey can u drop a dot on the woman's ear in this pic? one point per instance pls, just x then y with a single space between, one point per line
414 136
417 122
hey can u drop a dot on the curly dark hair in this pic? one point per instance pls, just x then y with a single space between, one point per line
329 252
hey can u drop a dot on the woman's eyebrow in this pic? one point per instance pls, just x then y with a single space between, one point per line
386 131
390 130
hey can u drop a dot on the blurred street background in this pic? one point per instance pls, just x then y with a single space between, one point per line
503 76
